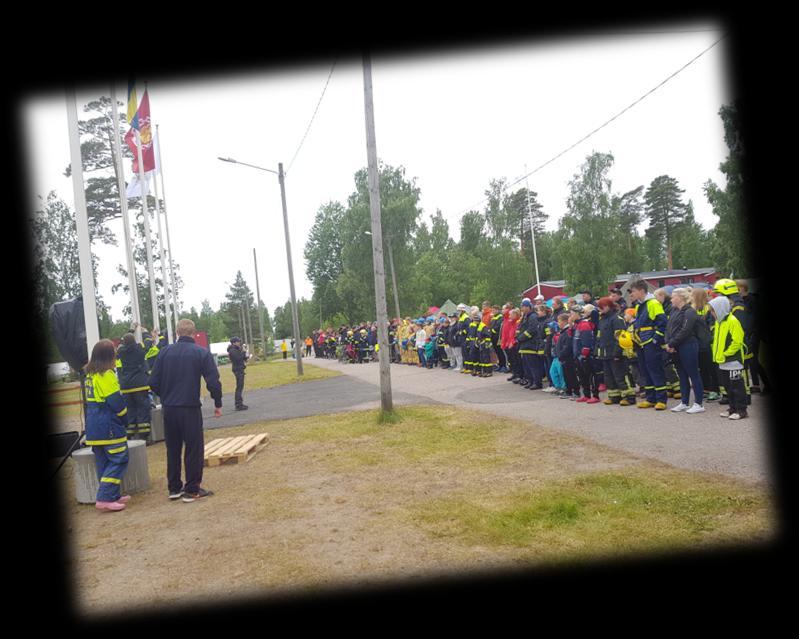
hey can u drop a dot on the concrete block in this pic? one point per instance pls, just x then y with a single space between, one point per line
136 479
157 424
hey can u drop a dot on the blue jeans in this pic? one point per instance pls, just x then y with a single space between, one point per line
422 359
688 369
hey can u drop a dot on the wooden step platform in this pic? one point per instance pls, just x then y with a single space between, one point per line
234 449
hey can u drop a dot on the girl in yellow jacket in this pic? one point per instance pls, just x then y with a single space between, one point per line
728 351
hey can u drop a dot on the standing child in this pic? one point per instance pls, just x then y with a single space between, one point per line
729 353
565 354
584 344
610 353
106 426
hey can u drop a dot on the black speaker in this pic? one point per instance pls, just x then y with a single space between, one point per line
69 331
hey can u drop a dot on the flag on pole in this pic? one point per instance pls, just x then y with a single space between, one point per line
134 188
132 104
141 122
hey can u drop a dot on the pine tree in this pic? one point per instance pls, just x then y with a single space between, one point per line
665 211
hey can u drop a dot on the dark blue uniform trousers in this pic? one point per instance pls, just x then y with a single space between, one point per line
183 425
651 367
111 463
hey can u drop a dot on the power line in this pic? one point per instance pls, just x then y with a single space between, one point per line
584 138
313 116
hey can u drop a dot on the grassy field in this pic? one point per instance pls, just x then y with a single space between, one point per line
272 372
341 499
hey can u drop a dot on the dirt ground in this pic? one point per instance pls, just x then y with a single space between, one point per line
332 501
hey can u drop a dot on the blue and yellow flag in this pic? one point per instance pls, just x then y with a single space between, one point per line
133 110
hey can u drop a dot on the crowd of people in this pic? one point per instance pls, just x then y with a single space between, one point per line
685 343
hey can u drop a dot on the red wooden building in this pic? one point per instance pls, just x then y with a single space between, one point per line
548 289
675 277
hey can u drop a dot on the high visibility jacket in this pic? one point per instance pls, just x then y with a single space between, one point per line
471 334
153 347
650 322
496 328
607 336
526 334
133 374
483 335
463 326
743 315
728 341
106 411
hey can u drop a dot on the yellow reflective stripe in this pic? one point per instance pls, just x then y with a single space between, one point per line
122 413
117 450
646 328
111 480
106 442
135 390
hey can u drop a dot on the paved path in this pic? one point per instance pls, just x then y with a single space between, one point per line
703 442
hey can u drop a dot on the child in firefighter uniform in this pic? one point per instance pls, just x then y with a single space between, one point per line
134 382
106 426
650 330
729 352
610 353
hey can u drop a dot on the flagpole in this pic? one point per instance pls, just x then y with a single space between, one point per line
160 169
82 224
144 190
123 203
532 232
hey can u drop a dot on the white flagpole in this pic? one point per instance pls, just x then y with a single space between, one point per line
160 169
167 300
82 223
144 191
123 202
532 232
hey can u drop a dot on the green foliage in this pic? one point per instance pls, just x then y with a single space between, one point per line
665 211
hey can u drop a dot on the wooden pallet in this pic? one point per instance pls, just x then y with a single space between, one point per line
234 449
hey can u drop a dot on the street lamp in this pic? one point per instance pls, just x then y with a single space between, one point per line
294 317
393 274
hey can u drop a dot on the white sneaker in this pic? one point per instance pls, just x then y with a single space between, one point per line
679 408
696 408
724 414
735 416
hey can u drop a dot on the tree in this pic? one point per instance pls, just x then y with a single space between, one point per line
690 242
628 211
588 258
665 211
730 247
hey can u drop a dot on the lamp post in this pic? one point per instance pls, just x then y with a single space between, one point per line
294 317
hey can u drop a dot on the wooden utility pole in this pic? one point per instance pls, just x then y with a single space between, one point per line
377 239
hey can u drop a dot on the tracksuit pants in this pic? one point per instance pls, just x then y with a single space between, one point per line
111 463
650 366
239 387
618 380
585 372
733 382
183 426
708 371
514 361
502 360
532 365
569 367
457 356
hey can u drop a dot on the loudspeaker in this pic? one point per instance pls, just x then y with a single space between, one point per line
69 331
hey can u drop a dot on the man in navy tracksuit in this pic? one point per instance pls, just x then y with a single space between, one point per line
176 380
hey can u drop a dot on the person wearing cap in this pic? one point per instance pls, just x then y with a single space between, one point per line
610 353
526 340
238 360
650 330
583 350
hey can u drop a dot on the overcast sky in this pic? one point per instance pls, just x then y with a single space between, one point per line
454 122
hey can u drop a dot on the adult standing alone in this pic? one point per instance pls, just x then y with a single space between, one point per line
238 359
176 379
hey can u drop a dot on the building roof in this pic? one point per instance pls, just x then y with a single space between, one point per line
555 283
650 275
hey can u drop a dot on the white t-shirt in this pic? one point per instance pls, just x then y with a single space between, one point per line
421 338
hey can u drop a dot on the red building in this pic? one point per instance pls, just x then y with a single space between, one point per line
675 277
548 289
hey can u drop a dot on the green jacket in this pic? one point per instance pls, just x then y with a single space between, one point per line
728 341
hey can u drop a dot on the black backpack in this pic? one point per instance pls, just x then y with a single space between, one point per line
702 332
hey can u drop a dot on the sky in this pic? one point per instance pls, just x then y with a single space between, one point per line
454 121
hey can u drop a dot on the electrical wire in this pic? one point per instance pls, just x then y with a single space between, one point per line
313 116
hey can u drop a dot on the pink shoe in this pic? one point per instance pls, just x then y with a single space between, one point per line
124 499
109 505
582 400
593 400
601 388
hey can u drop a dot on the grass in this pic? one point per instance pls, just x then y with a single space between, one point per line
646 509
266 374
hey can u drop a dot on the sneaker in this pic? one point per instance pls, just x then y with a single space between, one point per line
566 395
696 408
660 406
581 400
575 398
712 397
511 378
726 413
242 407
593 400
109 505
124 499
679 408
190 497
736 416
176 495
602 388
